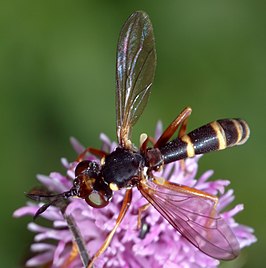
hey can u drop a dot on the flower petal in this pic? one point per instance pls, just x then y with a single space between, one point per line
40 259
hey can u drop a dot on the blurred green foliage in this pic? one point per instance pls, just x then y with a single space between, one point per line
57 79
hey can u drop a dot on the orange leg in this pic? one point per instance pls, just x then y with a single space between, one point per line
124 208
99 153
144 144
180 120
140 211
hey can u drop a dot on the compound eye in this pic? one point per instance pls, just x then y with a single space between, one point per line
82 166
97 199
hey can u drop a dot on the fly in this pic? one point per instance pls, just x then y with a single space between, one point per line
128 167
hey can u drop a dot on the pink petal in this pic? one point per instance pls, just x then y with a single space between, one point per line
25 211
39 247
40 259
58 254
78 147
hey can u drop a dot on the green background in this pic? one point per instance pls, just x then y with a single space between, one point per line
57 79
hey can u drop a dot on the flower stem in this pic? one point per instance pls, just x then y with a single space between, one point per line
78 240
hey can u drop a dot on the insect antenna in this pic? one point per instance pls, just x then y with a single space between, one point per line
58 200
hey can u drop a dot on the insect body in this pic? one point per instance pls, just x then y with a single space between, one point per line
217 135
128 167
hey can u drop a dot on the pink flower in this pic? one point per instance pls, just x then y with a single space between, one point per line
160 245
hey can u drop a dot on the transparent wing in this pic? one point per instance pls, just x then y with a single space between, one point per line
135 67
193 216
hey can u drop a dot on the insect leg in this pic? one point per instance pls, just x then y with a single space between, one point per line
144 139
140 211
180 120
124 208
99 153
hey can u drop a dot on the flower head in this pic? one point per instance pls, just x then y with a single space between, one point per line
155 244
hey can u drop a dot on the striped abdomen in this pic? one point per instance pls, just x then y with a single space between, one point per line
214 136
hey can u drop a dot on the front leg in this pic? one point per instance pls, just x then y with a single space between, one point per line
99 153
106 243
